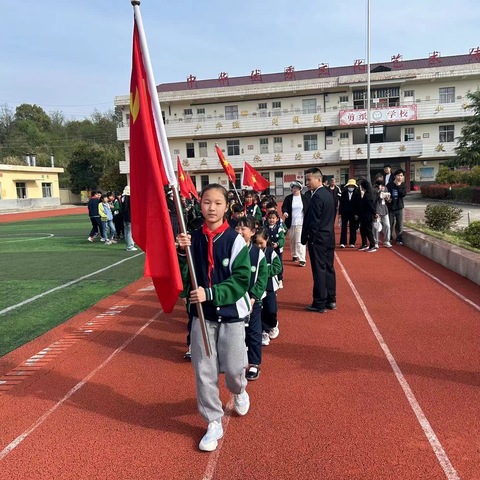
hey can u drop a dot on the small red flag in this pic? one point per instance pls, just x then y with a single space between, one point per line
254 179
151 225
185 182
226 166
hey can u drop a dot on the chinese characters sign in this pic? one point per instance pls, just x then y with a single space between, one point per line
379 115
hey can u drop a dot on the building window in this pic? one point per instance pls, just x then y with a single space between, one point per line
277 144
446 133
409 134
446 95
231 112
187 111
233 147
202 149
190 150
200 114
194 180
310 143
408 93
21 189
343 99
262 106
276 105
204 181
264 145
343 135
46 190
309 105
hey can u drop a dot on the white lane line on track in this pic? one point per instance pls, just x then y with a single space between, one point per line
443 284
48 235
15 443
215 455
440 453
65 285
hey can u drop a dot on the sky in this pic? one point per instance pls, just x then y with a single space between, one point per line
74 56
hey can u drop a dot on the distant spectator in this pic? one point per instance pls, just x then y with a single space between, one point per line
94 216
397 191
127 220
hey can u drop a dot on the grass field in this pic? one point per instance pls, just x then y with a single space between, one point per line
40 255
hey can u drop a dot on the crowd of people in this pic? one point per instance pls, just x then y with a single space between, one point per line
237 240
110 218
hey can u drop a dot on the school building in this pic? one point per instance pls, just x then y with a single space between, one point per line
25 187
283 123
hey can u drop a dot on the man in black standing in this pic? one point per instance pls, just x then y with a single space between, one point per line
318 233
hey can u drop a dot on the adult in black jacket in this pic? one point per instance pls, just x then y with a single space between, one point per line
367 215
94 215
349 212
294 208
397 191
318 233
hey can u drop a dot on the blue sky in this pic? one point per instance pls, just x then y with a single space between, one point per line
75 56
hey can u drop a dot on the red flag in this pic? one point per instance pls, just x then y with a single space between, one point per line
226 166
151 225
192 188
185 182
254 179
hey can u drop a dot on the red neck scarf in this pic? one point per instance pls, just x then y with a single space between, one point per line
210 236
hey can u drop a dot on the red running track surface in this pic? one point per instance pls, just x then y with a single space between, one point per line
385 387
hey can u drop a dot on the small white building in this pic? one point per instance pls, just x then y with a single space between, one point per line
284 123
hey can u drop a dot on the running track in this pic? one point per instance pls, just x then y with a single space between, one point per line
385 387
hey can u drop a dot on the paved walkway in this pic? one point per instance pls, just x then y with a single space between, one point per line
415 209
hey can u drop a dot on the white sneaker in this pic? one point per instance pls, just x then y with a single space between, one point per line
274 332
241 403
265 338
102 239
209 442
132 249
90 239
108 242
376 245
387 244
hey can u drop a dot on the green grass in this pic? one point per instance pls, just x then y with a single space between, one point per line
33 262
451 236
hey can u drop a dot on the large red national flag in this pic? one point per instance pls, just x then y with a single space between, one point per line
185 182
226 166
151 225
254 179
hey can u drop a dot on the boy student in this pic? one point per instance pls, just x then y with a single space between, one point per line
258 284
222 266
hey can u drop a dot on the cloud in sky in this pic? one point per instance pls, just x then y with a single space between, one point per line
75 57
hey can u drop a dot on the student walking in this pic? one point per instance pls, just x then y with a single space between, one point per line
270 305
222 266
258 283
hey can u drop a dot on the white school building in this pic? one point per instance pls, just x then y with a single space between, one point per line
284 123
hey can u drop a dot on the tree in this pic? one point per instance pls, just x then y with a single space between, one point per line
85 167
33 113
468 149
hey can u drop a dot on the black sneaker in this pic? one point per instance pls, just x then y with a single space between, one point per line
302 264
253 372
311 308
188 354
331 306
294 259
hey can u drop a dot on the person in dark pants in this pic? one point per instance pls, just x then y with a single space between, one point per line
94 215
318 233
367 215
349 211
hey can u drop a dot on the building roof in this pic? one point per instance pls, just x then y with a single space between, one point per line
289 76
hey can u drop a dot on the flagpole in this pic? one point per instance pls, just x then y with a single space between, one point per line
168 164
369 178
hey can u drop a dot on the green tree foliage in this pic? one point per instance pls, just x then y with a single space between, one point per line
468 149
86 167
31 130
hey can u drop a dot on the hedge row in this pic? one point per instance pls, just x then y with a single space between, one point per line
455 192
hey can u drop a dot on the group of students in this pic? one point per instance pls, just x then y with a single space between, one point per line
377 211
236 254
110 218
